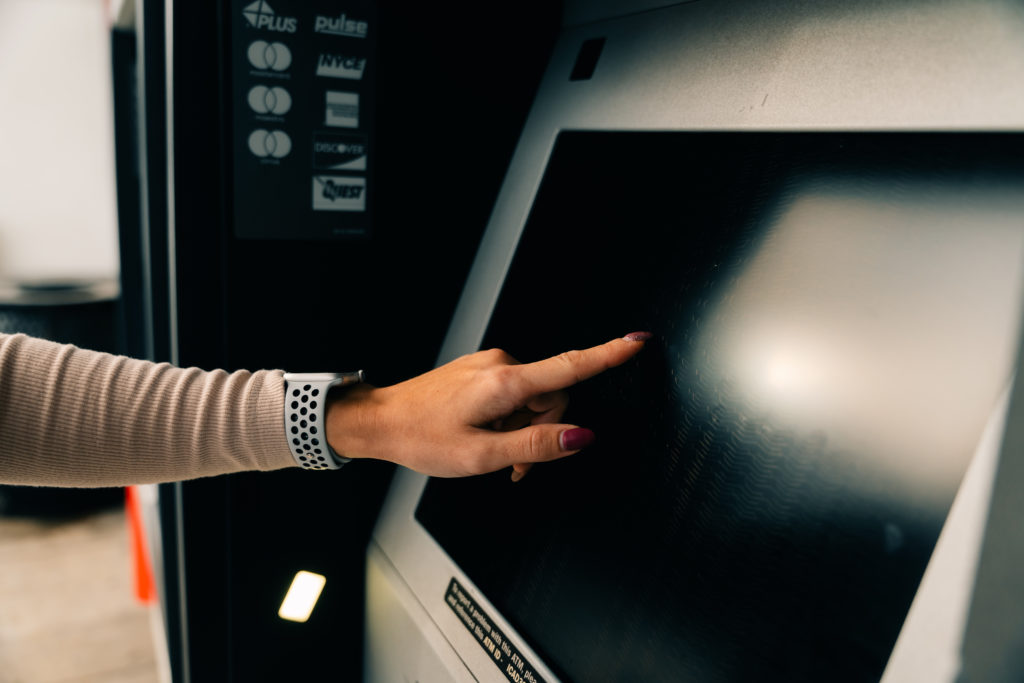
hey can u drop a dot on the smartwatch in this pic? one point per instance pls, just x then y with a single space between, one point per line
305 413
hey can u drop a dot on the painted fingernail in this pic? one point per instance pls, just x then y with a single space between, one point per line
638 336
517 475
575 439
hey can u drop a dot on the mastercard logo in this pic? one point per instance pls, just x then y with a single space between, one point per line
269 56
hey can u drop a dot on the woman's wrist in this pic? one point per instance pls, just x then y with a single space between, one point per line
350 420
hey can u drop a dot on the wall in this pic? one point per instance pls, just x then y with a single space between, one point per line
57 210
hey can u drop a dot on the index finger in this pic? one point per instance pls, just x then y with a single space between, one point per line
571 367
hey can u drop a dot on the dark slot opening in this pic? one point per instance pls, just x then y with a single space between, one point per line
586 60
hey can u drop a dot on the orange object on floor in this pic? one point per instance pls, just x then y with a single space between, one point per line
145 587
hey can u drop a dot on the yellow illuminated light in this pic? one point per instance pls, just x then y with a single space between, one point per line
302 596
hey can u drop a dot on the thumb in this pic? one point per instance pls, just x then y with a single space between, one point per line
538 443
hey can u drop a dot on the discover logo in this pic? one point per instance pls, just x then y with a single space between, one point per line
339 152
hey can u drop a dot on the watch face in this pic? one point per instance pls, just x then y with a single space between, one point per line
330 377
312 376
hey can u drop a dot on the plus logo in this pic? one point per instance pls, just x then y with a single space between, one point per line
261 15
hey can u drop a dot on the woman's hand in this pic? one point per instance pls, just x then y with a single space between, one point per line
476 414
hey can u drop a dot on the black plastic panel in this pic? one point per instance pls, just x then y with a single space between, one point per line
307 305
303 113
835 320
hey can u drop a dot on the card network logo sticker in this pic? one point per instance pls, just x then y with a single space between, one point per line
342 109
341 25
260 15
340 66
269 56
336 152
339 193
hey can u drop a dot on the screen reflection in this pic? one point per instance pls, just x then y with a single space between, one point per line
835 319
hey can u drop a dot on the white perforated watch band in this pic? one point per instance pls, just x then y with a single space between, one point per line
305 409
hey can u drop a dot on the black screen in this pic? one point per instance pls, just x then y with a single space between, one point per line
835 317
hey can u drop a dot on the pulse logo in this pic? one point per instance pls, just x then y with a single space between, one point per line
260 15
341 26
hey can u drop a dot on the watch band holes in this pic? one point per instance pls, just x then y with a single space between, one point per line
302 408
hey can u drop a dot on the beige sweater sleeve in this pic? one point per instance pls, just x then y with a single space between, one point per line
70 417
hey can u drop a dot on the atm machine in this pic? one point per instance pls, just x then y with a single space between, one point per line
301 185
812 472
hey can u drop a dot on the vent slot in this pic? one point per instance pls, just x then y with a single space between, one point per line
586 60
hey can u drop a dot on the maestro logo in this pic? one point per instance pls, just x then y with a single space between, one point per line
261 15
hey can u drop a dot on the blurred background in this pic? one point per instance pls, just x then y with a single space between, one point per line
198 278
65 561
57 202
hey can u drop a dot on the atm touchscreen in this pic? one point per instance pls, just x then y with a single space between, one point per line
835 318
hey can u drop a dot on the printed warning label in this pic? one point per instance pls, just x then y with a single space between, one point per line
504 654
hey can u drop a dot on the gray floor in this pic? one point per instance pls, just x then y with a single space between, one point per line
67 613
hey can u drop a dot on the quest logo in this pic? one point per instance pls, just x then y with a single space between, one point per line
339 193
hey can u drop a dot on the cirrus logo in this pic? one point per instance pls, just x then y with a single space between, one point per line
261 15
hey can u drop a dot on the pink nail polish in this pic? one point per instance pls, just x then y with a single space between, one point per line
638 336
575 439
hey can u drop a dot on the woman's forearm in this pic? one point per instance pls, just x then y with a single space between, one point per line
71 417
